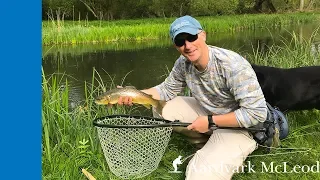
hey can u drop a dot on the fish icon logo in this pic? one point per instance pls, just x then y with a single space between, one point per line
175 164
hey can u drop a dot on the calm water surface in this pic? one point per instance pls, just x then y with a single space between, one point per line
146 63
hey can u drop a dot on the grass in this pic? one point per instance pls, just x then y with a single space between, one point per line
70 141
293 52
57 32
78 49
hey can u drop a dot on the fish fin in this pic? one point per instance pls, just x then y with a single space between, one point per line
159 107
148 106
162 103
150 96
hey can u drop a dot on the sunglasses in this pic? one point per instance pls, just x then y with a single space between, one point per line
181 39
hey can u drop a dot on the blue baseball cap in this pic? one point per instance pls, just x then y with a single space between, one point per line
184 24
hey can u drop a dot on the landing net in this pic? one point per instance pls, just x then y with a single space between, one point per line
132 152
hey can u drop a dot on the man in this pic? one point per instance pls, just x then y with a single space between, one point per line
225 92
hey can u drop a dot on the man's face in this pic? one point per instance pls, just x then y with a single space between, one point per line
191 46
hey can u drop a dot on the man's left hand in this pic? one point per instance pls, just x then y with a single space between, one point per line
200 124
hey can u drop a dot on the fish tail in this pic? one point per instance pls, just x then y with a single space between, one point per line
162 103
159 106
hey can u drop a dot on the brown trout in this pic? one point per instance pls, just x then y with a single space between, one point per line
138 97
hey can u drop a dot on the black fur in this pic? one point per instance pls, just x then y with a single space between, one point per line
290 89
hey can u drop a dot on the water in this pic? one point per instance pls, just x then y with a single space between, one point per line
144 64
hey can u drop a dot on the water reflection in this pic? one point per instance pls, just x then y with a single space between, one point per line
145 63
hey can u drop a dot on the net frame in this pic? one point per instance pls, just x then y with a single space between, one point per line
162 122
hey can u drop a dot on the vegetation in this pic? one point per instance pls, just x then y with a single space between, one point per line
70 141
124 9
297 49
79 32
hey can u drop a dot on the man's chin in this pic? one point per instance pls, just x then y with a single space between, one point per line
192 59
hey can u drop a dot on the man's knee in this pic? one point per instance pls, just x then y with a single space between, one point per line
221 156
180 108
170 112
200 167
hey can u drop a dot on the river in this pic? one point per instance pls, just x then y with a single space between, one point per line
144 64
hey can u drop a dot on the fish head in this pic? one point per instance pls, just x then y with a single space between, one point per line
103 99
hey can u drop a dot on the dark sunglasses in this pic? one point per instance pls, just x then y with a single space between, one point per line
180 40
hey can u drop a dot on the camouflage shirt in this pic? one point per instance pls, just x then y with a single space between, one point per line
228 84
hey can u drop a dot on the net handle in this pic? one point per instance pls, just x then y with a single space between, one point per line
165 123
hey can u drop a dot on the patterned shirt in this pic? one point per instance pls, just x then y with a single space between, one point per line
228 84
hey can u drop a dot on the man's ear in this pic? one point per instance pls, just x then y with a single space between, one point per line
203 35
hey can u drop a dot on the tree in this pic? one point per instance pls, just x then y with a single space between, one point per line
301 5
258 5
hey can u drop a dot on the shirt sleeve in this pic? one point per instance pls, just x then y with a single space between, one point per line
174 83
246 89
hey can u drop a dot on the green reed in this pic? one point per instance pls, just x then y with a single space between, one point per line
69 139
293 52
79 32
79 49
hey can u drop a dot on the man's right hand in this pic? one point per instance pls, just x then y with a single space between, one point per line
125 100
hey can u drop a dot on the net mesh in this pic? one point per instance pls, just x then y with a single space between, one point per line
133 152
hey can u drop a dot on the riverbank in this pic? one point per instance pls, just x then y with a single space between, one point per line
83 32
70 141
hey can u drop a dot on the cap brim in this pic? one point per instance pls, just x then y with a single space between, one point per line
188 30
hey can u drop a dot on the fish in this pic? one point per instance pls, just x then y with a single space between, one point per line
138 97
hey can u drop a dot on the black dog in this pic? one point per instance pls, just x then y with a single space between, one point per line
290 89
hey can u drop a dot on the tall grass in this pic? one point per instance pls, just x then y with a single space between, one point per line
70 141
112 46
293 52
70 32
65 132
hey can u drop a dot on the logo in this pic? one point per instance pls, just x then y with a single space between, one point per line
175 165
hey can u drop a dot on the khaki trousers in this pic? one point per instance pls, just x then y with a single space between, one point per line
224 151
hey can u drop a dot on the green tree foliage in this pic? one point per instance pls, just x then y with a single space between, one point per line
128 9
212 7
63 8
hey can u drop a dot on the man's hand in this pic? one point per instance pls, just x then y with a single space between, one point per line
124 100
200 124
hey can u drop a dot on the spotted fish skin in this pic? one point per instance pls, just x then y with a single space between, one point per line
138 97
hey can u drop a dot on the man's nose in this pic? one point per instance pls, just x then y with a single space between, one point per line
187 44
